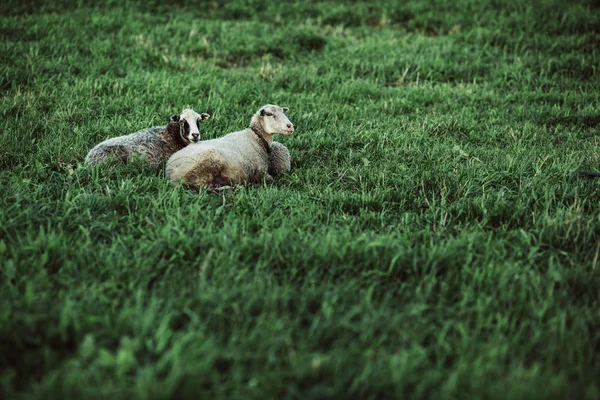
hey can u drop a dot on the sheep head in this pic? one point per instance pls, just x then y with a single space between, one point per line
273 120
189 124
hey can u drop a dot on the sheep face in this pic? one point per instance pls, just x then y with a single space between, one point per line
189 125
275 121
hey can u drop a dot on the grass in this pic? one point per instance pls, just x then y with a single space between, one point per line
429 242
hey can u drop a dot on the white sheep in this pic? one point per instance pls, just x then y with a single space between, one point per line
155 144
237 157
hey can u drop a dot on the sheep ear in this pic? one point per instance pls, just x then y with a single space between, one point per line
204 116
285 109
262 112
175 118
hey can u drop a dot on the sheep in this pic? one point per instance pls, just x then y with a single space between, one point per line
155 144
237 157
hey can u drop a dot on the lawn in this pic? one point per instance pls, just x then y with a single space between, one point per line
430 240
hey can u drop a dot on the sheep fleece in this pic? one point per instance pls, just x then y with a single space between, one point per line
153 143
234 158
279 160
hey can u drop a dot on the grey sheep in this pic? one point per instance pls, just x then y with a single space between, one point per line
237 157
155 144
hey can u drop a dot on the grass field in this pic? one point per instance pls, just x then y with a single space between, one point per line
429 242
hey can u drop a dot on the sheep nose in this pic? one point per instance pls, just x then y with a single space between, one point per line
290 125
195 135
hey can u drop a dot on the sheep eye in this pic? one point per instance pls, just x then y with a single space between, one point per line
268 114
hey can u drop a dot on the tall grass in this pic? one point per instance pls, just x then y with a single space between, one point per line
429 242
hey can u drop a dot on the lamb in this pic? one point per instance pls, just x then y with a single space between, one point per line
237 157
155 144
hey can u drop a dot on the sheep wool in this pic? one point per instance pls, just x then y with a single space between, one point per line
155 144
279 160
237 157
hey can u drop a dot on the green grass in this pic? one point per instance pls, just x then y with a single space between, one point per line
429 242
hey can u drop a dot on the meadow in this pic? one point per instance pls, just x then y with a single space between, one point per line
430 240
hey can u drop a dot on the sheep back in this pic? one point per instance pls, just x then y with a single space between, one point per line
152 143
234 158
